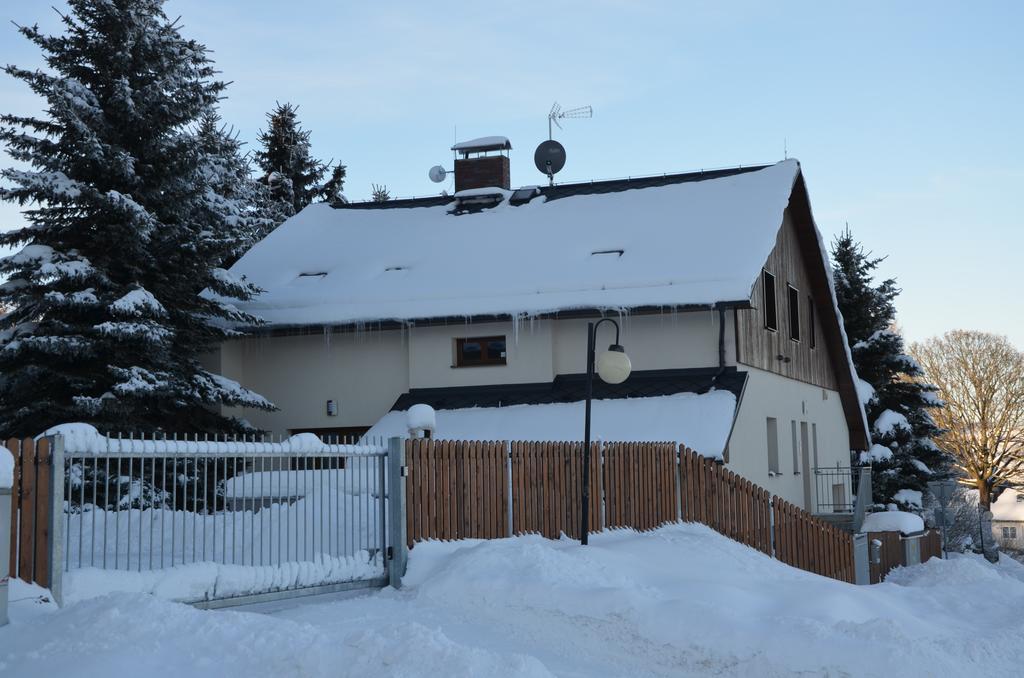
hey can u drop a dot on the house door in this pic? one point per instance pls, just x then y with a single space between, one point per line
805 451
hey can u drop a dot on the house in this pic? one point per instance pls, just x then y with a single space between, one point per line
1008 520
477 304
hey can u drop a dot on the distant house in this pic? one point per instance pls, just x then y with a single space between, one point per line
1008 520
478 303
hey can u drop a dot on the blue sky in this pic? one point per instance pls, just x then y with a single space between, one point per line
906 116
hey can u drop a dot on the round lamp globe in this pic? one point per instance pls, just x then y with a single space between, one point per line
613 365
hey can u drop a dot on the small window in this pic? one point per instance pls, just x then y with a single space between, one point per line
773 446
810 322
1020 497
794 313
1009 533
474 351
771 311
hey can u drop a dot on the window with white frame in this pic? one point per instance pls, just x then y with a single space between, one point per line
1009 533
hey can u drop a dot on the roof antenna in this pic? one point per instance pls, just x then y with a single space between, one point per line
785 151
557 114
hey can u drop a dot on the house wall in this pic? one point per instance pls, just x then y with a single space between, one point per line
364 373
361 372
787 400
1011 544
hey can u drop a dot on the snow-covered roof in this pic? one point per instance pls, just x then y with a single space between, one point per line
701 422
1009 506
688 243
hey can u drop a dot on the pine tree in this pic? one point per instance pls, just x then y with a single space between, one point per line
126 231
903 456
289 170
380 193
251 212
332 191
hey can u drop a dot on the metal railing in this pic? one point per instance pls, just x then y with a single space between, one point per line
836 488
300 511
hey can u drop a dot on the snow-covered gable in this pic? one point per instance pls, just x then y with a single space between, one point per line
702 422
690 243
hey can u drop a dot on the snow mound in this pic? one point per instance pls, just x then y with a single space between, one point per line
678 601
876 453
419 419
911 498
893 521
888 421
865 392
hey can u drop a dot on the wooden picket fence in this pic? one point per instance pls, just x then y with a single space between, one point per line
30 514
811 544
892 553
487 490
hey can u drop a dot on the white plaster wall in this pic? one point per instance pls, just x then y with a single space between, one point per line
362 372
771 395
366 372
432 355
653 342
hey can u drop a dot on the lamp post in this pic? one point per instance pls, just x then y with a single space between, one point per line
613 367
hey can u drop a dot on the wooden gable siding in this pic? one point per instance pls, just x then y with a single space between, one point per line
761 347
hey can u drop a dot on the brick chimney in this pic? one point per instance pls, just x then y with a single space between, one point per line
482 163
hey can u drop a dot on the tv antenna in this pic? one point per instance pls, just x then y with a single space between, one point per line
557 113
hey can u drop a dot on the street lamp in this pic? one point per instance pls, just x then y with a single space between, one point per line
613 367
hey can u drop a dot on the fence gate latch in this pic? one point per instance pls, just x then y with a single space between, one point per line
391 553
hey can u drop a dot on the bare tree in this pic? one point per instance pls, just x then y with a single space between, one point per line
980 377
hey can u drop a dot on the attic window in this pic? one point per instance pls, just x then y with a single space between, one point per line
810 322
794 313
618 252
771 313
318 274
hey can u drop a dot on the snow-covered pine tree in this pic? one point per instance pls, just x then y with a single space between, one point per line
250 211
289 169
332 191
904 457
126 230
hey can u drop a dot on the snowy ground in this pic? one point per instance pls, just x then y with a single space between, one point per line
678 601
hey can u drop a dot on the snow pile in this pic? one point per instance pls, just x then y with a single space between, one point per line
680 248
680 601
893 521
888 421
138 302
202 581
6 469
1009 506
419 419
82 438
702 422
911 498
876 453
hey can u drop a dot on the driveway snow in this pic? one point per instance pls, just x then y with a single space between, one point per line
680 601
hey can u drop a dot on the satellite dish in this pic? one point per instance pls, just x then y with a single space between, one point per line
437 174
549 157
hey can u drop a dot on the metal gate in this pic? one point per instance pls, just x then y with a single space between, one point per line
214 523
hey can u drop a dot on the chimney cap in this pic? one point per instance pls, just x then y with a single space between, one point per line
482 145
